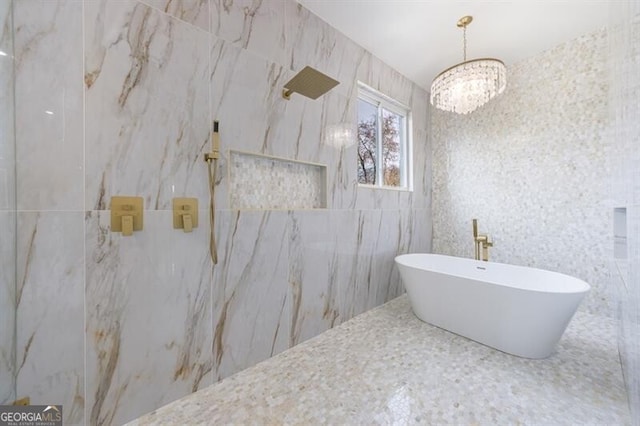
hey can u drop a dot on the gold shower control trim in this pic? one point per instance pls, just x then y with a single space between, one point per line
126 215
22 401
185 213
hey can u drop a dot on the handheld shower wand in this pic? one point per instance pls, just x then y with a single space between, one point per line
212 162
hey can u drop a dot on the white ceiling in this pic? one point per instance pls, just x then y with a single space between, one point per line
420 38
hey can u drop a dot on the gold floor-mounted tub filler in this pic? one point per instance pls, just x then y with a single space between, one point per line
482 243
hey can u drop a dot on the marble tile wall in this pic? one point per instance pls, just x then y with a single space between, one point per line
117 98
534 169
7 209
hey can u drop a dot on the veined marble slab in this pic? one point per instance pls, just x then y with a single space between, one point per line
7 210
388 367
315 43
7 135
148 315
195 12
50 311
257 26
49 105
146 103
341 264
251 306
7 306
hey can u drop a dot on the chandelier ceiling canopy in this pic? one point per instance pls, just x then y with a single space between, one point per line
468 85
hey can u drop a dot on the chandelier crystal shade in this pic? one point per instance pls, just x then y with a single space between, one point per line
470 84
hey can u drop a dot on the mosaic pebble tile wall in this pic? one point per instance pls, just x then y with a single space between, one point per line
258 182
133 87
533 167
625 106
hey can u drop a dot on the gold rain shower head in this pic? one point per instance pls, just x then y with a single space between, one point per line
310 83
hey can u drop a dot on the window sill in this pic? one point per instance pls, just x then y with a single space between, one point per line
389 188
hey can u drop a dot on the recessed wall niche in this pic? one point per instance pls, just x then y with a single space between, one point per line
620 233
261 182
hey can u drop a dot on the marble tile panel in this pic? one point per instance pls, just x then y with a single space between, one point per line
7 306
194 12
367 197
380 76
341 264
50 311
323 253
49 105
7 210
246 99
415 233
147 105
148 316
255 25
7 135
313 42
251 305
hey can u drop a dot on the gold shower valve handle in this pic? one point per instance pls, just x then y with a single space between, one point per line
185 214
187 223
127 226
126 215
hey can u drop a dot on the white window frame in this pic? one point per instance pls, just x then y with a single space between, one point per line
376 98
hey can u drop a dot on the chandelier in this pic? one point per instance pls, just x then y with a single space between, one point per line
468 85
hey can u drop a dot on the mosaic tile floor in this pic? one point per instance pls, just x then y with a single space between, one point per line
387 367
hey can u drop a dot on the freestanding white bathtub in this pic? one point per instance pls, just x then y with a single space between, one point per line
519 310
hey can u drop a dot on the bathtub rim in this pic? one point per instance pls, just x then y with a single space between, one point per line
584 286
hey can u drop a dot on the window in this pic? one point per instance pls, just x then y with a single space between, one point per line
383 142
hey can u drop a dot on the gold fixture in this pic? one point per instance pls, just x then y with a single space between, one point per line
310 83
482 243
22 401
468 85
126 215
464 21
185 213
212 164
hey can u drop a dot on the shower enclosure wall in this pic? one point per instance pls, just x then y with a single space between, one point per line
117 98
7 210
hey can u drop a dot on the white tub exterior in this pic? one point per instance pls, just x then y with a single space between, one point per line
519 310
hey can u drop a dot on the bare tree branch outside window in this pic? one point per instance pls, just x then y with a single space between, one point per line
367 167
382 131
391 148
